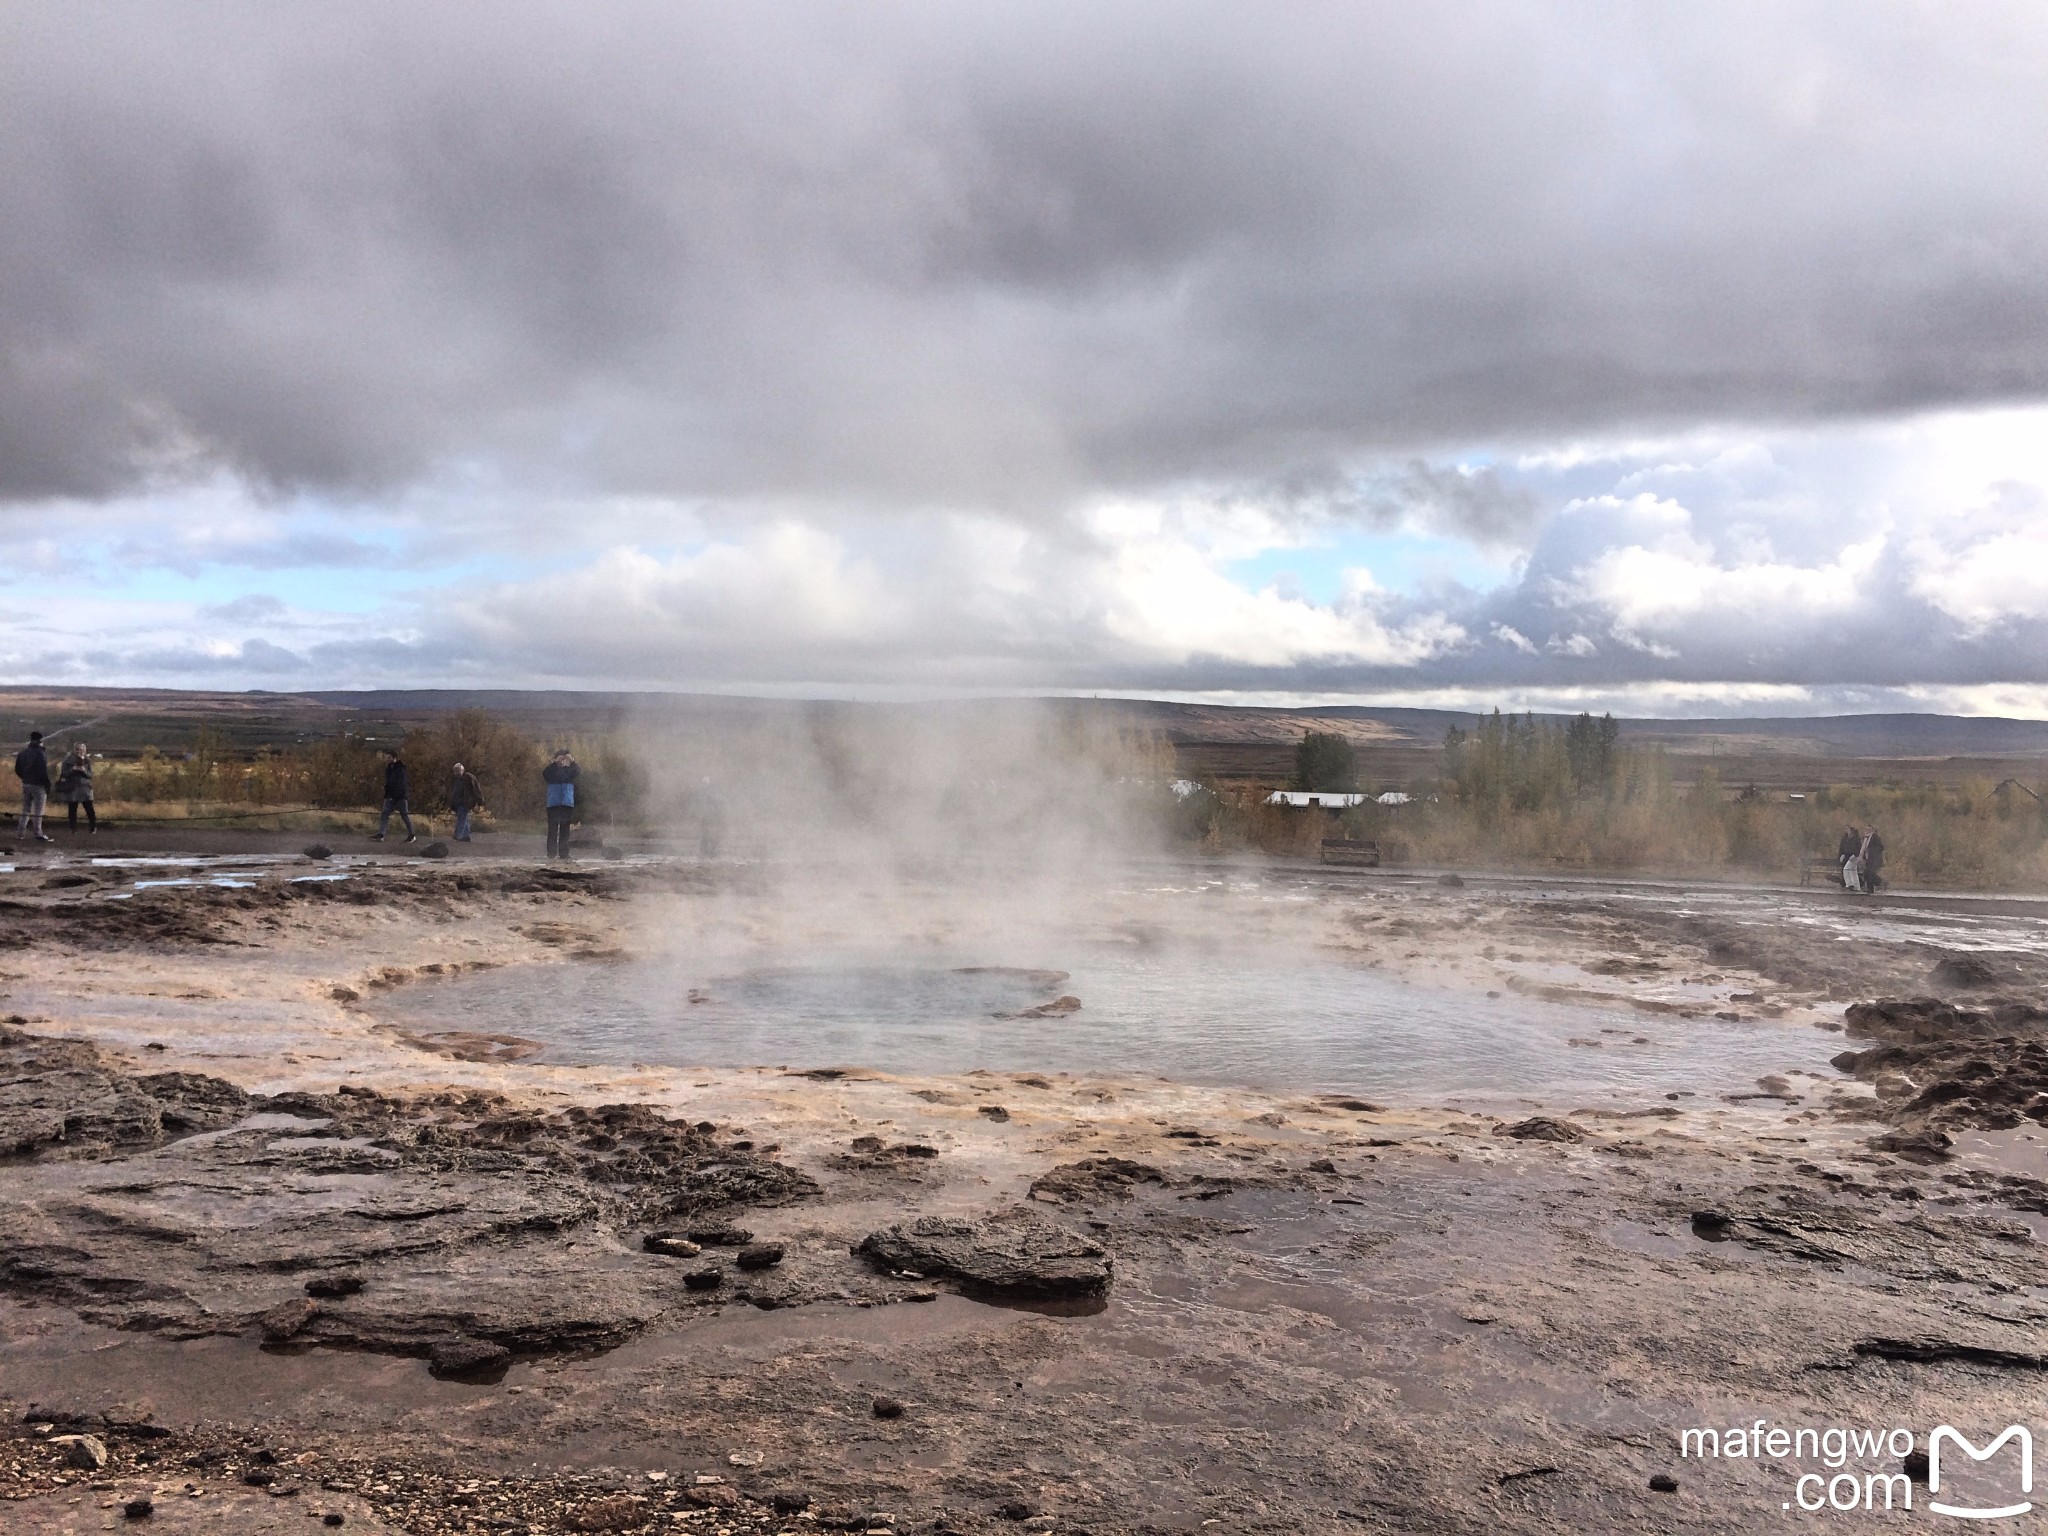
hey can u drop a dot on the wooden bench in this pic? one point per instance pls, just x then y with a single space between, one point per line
1355 851
1824 867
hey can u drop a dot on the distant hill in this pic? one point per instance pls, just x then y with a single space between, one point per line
1233 743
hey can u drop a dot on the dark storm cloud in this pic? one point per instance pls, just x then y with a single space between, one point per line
988 254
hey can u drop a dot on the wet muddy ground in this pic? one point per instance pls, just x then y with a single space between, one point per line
281 1256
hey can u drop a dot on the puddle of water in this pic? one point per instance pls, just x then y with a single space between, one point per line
218 882
1213 1015
2021 1152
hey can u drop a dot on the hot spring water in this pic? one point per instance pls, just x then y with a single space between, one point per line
1216 1015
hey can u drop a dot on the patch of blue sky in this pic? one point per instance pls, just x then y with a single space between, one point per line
316 570
1408 564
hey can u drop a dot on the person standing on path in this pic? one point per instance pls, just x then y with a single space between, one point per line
74 788
397 796
560 777
32 767
465 797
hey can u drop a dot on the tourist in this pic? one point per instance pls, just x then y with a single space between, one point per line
465 797
560 776
74 788
32 767
1850 845
1871 860
397 796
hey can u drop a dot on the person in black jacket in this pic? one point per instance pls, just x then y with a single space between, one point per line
32 767
397 796
1849 847
465 798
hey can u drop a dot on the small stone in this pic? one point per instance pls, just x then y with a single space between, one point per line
669 1244
334 1285
1926 1146
287 1320
994 1112
720 1237
1543 1128
1664 1482
318 851
138 1509
791 1502
704 1279
888 1408
760 1256
332 1518
1322 1165
88 1453
1451 882
435 850
1017 1509
258 1479
472 1358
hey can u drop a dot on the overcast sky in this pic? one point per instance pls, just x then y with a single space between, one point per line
1685 359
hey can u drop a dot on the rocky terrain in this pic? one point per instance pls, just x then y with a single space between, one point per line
265 1258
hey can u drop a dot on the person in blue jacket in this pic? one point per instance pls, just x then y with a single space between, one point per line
560 776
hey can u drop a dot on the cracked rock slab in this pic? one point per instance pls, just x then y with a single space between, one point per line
1016 1254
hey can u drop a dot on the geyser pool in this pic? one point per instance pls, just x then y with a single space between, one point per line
1295 1021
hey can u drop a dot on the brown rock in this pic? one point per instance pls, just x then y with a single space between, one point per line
1016 1254
285 1321
760 1256
86 1453
1543 1128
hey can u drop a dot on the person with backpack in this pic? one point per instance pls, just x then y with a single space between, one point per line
560 777
32 767
465 798
74 788
397 796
